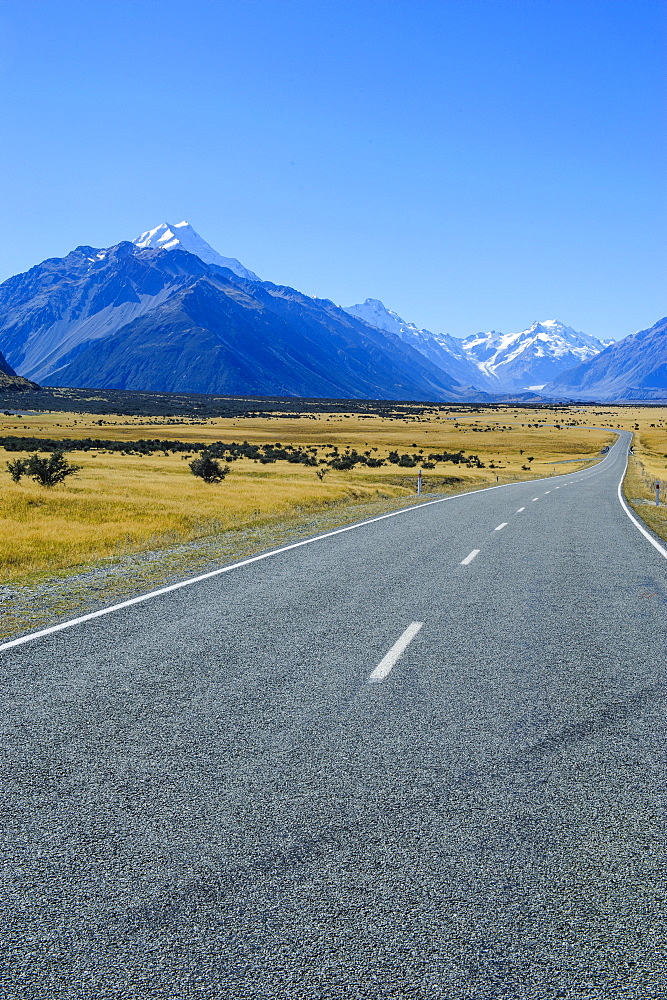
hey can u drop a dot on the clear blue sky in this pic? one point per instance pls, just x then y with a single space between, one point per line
475 164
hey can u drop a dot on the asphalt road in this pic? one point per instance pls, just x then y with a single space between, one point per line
232 790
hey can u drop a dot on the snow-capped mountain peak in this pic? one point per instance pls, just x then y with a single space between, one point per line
527 356
376 313
632 368
182 236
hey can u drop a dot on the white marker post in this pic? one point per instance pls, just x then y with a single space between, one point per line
657 493
419 483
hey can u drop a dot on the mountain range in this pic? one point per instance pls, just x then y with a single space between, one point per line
167 312
443 350
494 362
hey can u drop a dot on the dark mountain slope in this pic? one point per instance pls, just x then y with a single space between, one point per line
5 369
216 336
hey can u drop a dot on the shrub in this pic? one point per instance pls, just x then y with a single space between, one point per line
208 469
455 456
45 471
17 469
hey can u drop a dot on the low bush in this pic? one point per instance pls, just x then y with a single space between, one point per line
45 471
208 469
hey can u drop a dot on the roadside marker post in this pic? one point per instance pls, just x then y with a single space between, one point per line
419 483
657 493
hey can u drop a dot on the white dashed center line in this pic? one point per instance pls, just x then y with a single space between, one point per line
387 662
547 491
469 558
534 499
501 526
520 509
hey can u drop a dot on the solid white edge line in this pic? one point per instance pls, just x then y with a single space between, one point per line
246 562
501 526
387 662
469 558
656 545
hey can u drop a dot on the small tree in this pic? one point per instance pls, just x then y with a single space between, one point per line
49 471
17 469
208 469
321 473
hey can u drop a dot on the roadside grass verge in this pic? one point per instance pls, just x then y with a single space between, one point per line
644 469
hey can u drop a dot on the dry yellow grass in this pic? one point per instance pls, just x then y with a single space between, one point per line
118 504
128 503
648 465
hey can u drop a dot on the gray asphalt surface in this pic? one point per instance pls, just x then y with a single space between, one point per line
205 797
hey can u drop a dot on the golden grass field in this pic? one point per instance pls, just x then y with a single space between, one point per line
128 503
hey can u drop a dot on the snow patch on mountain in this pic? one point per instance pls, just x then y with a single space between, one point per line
376 313
183 237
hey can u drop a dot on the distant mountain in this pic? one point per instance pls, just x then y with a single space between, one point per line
162 319
440 348
492 362
632 368
532 357
183 237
